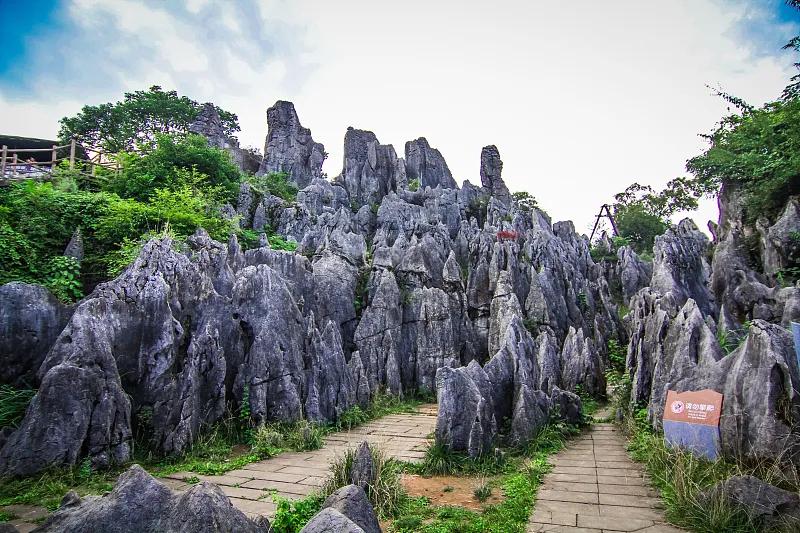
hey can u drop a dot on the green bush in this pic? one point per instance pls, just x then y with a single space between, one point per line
276 184
414 185
292 515
174 163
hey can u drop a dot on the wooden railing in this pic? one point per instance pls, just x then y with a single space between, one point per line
12 167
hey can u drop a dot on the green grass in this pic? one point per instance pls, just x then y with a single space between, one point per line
6 517
682 478
483 491
13 403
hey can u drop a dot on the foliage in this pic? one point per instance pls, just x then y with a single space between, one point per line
137 120
292 515
729 340
639 227
616 355
173 163
13 403
440 460
6 516
525 201
276 184
63 278
352 417
414 185
756 151
47 489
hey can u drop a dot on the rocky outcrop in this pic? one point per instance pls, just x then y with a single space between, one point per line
491 170
466 420
209 125
290 148
371 170
141 504
427 165
388 287
330 519
30 320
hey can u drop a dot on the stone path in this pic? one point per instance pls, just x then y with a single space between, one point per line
595 487
295 475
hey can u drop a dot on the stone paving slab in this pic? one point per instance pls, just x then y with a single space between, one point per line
594 487
294 475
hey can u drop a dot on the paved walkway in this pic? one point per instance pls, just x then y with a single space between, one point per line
294 475
595 487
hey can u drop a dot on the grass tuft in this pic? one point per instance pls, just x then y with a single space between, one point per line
13 403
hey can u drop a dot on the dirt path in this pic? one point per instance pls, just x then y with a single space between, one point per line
294 475
595 487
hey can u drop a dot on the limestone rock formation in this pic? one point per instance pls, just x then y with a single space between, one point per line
371 170
351 501
30 320
209 125
427 165
363 471
491 170
141 504
290 148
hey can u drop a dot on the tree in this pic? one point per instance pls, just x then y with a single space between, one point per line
136 120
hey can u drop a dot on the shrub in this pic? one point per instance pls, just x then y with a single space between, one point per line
525 201
63 278
276 184
176 162
292 515
639 227
414 185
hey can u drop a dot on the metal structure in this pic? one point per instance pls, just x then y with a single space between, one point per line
605 212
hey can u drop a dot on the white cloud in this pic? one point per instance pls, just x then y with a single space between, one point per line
581 98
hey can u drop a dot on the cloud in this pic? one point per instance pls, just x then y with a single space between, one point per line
582 98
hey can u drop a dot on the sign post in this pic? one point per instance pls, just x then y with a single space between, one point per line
796 333
691 421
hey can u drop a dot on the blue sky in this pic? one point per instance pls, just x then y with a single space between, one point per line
582 96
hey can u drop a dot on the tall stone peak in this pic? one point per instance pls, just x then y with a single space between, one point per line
427 165
289 146
491 171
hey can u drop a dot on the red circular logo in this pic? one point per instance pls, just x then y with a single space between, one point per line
677 407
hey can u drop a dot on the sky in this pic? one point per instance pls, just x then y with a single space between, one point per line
582 98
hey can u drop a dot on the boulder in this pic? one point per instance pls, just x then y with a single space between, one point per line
30 321
329 520
770 507
352 502
141 504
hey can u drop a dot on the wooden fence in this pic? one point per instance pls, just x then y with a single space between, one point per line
13 167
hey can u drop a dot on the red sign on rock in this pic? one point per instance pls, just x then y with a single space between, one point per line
695 407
